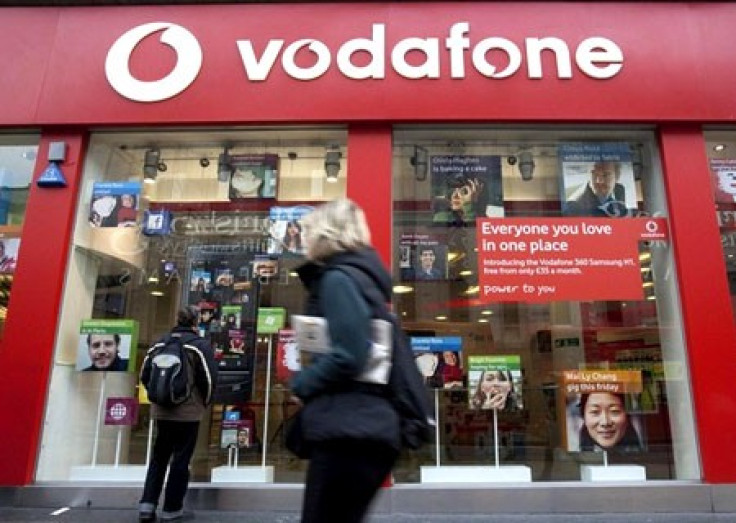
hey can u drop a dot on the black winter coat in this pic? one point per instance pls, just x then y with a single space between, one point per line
336 406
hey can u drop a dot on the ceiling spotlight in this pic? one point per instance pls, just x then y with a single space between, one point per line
150 165
204 162
332 165
419 161
637 162
224 166
719 147
526 165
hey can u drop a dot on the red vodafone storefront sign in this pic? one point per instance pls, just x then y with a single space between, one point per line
563 259
399 62
596 57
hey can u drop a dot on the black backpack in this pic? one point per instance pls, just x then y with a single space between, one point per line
408 393
406 384
167 374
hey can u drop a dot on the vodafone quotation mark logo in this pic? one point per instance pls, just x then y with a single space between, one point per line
188 63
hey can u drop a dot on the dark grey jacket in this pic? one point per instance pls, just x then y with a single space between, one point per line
202 361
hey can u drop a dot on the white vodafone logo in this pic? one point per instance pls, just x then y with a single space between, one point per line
188 63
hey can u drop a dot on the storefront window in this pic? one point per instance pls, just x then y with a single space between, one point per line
721 150
209 218
536 281
17 159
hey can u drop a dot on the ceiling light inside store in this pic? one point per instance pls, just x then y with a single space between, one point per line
719 147
157 293
402 289
440 318
332 165
473 289
637 162
150 165
526 165
419 161
224 166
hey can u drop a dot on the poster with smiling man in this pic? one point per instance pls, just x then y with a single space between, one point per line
107 345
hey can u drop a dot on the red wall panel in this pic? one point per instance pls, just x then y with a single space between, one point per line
683 73
705 300
369 181
27 350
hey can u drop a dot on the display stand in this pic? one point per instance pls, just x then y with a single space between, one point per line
231 473
115 472
606 472
470 473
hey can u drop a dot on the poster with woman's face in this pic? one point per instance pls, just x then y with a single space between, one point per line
465 187
601 411
285 230
494 382
114 204
439 359
253 176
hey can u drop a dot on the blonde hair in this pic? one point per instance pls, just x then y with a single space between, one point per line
335 227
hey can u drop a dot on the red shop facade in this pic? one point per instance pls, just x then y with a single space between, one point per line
228 121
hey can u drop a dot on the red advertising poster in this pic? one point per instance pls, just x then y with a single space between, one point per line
724 179
287 355
562 259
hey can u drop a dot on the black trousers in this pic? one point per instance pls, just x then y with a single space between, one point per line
343 478
175 442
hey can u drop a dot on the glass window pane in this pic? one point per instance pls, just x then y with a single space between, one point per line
167 219
721 150
584 369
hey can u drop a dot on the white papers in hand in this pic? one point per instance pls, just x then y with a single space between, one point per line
312 335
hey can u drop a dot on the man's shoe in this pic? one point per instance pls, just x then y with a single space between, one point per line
172 516
147 512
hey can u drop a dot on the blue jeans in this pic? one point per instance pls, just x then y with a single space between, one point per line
175 442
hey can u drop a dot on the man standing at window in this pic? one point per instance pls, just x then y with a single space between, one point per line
178 426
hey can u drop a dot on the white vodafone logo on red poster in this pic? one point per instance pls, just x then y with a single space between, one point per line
188 63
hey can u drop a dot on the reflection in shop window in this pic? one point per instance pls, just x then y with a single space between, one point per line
17 159
721 149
